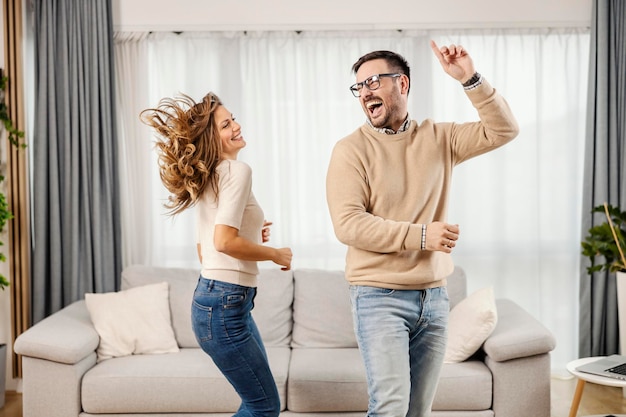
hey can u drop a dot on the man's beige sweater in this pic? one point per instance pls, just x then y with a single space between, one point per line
381 188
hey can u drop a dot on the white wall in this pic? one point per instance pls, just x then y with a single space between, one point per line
155 15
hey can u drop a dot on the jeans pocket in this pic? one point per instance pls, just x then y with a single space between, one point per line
234 300
201 317
363 291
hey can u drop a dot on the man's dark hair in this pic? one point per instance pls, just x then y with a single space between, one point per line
396 62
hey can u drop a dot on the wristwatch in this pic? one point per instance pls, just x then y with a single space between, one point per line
472 80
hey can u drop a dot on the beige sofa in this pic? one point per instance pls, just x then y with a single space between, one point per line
305 320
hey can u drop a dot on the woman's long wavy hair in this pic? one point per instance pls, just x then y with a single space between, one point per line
188 145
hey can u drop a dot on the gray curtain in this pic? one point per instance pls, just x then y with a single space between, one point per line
75 220
605 166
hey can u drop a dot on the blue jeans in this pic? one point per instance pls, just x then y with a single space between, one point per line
224 328
402 337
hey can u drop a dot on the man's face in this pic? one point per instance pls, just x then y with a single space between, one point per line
386 106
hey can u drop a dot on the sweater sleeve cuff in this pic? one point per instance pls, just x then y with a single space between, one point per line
482 92
413 239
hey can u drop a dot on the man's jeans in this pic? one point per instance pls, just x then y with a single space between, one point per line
402 337
225 330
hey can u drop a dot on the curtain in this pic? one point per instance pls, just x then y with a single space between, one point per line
76 222
605 168
136 233
517 207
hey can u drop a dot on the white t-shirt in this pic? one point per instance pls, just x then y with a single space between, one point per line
235 207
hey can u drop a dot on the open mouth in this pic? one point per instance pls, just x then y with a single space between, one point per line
374 107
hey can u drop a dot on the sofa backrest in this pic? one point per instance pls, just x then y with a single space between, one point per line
322 316
457 286
182 282
300 308
272 311
272 306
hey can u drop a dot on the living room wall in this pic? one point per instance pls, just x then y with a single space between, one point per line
139 15
159 15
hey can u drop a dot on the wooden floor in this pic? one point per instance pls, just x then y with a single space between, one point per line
12 405
596 399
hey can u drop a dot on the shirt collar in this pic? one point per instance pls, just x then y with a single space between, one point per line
403 127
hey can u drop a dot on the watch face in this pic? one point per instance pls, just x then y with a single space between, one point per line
475 78
472 80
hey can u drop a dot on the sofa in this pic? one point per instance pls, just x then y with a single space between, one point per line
304 318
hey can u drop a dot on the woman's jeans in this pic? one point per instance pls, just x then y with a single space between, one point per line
226 331
402 337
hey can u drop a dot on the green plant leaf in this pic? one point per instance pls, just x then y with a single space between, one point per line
600 244
3 282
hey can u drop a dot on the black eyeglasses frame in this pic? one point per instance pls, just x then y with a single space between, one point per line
356 88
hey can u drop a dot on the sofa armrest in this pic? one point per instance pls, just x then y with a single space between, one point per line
517 334
67 336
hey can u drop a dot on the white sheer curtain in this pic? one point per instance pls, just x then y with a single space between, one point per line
518 207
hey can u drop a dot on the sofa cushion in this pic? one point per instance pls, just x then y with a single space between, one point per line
337 382
457 286
321 310
183 382
272 305
321 307
470 324
464 386
322 379
132 321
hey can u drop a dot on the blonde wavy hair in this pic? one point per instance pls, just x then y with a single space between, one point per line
188 145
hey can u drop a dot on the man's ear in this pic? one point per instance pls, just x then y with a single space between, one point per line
404 84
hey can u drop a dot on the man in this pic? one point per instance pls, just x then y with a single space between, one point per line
387 188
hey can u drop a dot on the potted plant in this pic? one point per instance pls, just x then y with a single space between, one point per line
604 245
605 242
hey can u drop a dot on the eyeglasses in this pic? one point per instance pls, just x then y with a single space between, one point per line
372 83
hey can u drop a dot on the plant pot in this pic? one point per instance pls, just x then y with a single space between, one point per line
3 372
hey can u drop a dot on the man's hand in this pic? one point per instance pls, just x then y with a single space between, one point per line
441 236
455 61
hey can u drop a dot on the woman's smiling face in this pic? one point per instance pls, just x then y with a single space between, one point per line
230 133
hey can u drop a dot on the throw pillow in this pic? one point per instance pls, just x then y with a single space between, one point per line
132 321
470 323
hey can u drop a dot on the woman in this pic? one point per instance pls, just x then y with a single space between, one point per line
198 146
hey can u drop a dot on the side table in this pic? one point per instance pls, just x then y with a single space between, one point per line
585 377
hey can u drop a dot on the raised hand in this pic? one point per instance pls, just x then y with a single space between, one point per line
455 61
